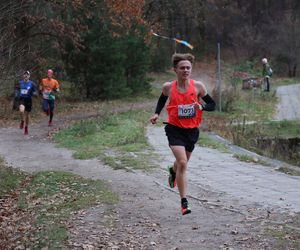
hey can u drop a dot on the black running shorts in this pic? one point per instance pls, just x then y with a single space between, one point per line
27 103
186 137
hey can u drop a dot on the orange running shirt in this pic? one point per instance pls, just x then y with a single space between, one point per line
47 86
181 111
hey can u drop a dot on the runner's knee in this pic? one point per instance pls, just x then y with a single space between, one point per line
182 165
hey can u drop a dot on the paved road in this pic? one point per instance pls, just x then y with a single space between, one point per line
221 173
289 102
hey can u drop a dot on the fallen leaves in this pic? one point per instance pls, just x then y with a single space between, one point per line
15 223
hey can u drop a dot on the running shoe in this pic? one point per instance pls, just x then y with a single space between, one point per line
26 130
172 177
50 123
185 209
21 124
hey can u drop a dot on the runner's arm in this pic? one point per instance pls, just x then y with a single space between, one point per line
161 103
203 94
210 104
166 89
56 88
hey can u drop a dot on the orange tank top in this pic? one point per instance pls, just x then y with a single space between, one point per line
181 111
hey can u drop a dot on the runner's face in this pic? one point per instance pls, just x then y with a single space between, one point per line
26 77
183 70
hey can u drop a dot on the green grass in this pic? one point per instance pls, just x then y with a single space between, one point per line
119 139
273 139
254 103
281 81
10 178
279 129
40 205
283 129
247 158
258 106
206 141
51 197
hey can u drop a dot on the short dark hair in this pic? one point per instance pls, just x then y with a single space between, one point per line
176 58
26 72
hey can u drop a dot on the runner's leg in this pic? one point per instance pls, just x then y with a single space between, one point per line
188 155
180 168
51 106
45 105
26 116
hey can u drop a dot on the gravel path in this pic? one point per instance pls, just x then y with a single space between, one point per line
234 203
289 102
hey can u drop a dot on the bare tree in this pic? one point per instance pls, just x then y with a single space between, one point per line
33 33
286 46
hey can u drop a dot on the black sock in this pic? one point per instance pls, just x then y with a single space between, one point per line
172 171
51 116
183 200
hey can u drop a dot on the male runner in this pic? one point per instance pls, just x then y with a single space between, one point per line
26 89
49 87
184 117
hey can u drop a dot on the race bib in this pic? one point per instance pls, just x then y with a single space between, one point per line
46 95
24 91
186 111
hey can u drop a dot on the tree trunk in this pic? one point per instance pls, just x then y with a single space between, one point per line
290 74
294 70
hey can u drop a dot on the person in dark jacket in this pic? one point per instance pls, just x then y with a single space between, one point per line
266 73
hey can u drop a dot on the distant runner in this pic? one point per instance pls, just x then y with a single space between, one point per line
184 117
49 87
25 90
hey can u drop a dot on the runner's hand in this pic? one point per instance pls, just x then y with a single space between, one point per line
198 106
154 118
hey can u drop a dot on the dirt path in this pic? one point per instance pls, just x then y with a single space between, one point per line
289 102
233 203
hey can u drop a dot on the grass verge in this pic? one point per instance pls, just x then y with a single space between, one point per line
247 158
118 139
206 141
278 140
9 178
289 171
35 213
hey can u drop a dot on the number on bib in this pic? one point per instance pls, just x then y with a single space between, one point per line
46 95
186 111
24 91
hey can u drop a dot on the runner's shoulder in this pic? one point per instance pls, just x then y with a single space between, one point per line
166 88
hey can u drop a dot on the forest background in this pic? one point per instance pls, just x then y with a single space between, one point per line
101 46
